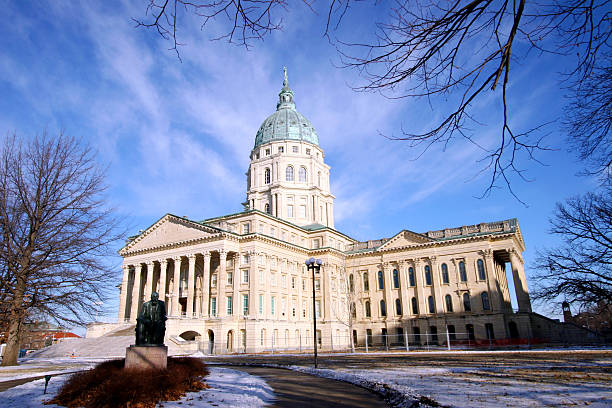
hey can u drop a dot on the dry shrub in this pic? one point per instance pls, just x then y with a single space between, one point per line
110 385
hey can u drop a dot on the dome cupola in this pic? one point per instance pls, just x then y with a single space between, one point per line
286 123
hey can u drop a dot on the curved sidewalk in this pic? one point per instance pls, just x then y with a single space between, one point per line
295 390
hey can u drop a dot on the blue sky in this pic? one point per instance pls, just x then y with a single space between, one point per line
176 136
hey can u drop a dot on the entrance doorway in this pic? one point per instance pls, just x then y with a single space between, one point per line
211 342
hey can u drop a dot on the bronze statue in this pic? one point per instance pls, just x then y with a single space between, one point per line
151 323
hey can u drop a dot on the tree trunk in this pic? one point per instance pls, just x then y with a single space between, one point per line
11 351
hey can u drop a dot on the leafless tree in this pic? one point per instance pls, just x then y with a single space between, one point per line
344 309
56 231
579 270
457 53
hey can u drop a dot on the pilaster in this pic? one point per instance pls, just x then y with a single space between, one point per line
123 294
191 285
136 293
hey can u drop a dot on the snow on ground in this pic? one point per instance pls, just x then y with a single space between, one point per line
229 388
459 387
38 367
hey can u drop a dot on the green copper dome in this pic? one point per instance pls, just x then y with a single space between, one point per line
286 123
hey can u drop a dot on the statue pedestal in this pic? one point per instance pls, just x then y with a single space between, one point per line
146 357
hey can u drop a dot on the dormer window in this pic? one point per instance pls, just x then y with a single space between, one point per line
295 149
281 149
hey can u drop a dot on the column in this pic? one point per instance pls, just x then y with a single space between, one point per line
163 275
492 283
176 287
190 285
254 283
388 296
221 284
435 276
420 286
404 282
325 292
520 281
136 293
206 285
123 294
236 285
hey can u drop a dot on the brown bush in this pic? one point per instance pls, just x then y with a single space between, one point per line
110 385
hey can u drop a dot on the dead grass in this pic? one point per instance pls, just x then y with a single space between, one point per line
110 385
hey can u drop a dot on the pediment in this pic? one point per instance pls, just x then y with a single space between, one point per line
167 231
405 238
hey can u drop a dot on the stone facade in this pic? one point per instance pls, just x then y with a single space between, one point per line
239 281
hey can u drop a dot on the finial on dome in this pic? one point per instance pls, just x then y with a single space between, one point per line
285 81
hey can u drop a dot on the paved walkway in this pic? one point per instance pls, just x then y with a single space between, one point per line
295 390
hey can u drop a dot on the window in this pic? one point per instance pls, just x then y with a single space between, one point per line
302 174
318 308
293 308
290 210
369 336
317 284
267 176
213 280
368 310
415 306
445 273
303 284
416 335
319 179
315 244
383 308
427 275
281 149
366 283
289 173
284 281
267 210
213 306
307 151
398 307
273 279
411 276
467 305
481 270
246 259
262 337
449 303
261 301
272 305
351 284
257 155
304 308
485 301
462 272
230 278
353 311
245 276
246 228
489 330
395 279
302 211
230 308
267 152
470 329
245 305
381 280
433 331
293 282
295 149
451 332
430 303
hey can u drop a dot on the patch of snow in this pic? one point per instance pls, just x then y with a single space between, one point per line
228 388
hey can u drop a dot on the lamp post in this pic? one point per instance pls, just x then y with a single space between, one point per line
314 265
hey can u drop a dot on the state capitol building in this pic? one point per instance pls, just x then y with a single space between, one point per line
238 282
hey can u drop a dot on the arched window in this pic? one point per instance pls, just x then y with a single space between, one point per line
289 173
427 275
411 276
366 282
415 306
398 307
368 310
462 272
351 283
467 304
481 270
230 340
381 280
383 308
430 303
485 301
267 208
262 339
444 273
449 303
302 174
353 311
267 176
395 279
